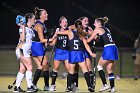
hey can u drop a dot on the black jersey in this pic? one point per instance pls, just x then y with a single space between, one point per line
106 37
76 43
62 41
91 43
36 38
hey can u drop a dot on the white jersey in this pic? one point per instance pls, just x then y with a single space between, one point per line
26 47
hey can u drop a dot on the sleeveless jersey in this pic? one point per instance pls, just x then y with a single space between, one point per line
36 38
62 41
76 43
106 37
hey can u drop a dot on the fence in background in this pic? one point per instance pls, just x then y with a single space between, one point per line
9 65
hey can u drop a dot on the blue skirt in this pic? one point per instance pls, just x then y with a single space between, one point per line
37 49
61 54
87 55
76 57
110 52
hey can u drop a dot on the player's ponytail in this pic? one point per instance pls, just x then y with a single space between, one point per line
103 20
37 12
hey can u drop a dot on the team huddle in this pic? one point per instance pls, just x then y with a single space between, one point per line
73 46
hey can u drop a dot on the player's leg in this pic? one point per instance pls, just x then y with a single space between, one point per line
86 75
100 65
45 72
19 78
110 65
70 77
76 76
28 64
37 72
56 65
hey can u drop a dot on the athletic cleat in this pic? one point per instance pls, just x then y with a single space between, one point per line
104 87
77 89
68 89
73 87
18 89
46 88
112 90
91 89
35 88
31 89
52 88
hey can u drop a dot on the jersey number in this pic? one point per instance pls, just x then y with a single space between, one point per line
76 44
110 38
64 43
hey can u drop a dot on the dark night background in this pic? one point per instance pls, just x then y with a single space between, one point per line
123 15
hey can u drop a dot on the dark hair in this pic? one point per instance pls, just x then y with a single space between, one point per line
81 18
38 12
61 18
28 16
103 20
78 25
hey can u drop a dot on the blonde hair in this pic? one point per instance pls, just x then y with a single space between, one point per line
103 20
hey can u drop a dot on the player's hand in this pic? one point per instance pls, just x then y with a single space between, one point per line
93 55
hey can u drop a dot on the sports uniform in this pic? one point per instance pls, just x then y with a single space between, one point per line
26 46
37 47
61 52
76 49
110 51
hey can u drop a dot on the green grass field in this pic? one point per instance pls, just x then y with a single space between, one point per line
124 85
9 69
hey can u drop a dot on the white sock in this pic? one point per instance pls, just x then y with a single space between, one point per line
29 78
19 79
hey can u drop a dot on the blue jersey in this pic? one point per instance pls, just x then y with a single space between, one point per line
38 47
76 43
36 38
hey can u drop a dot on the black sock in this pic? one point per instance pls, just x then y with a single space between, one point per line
111 79
87 78
91 77
70 80
46 77
54 76
76 79
102 76
36 76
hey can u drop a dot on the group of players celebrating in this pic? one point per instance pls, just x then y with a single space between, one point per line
73 47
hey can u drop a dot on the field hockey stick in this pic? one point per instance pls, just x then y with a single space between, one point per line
11 86
44 52
50 34
51 56
94 67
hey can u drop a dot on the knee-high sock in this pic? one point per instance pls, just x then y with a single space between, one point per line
70 80
46 78
54 76
102 76
19 79
76 79
29 78
111 79
87 78
91 76
36 76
